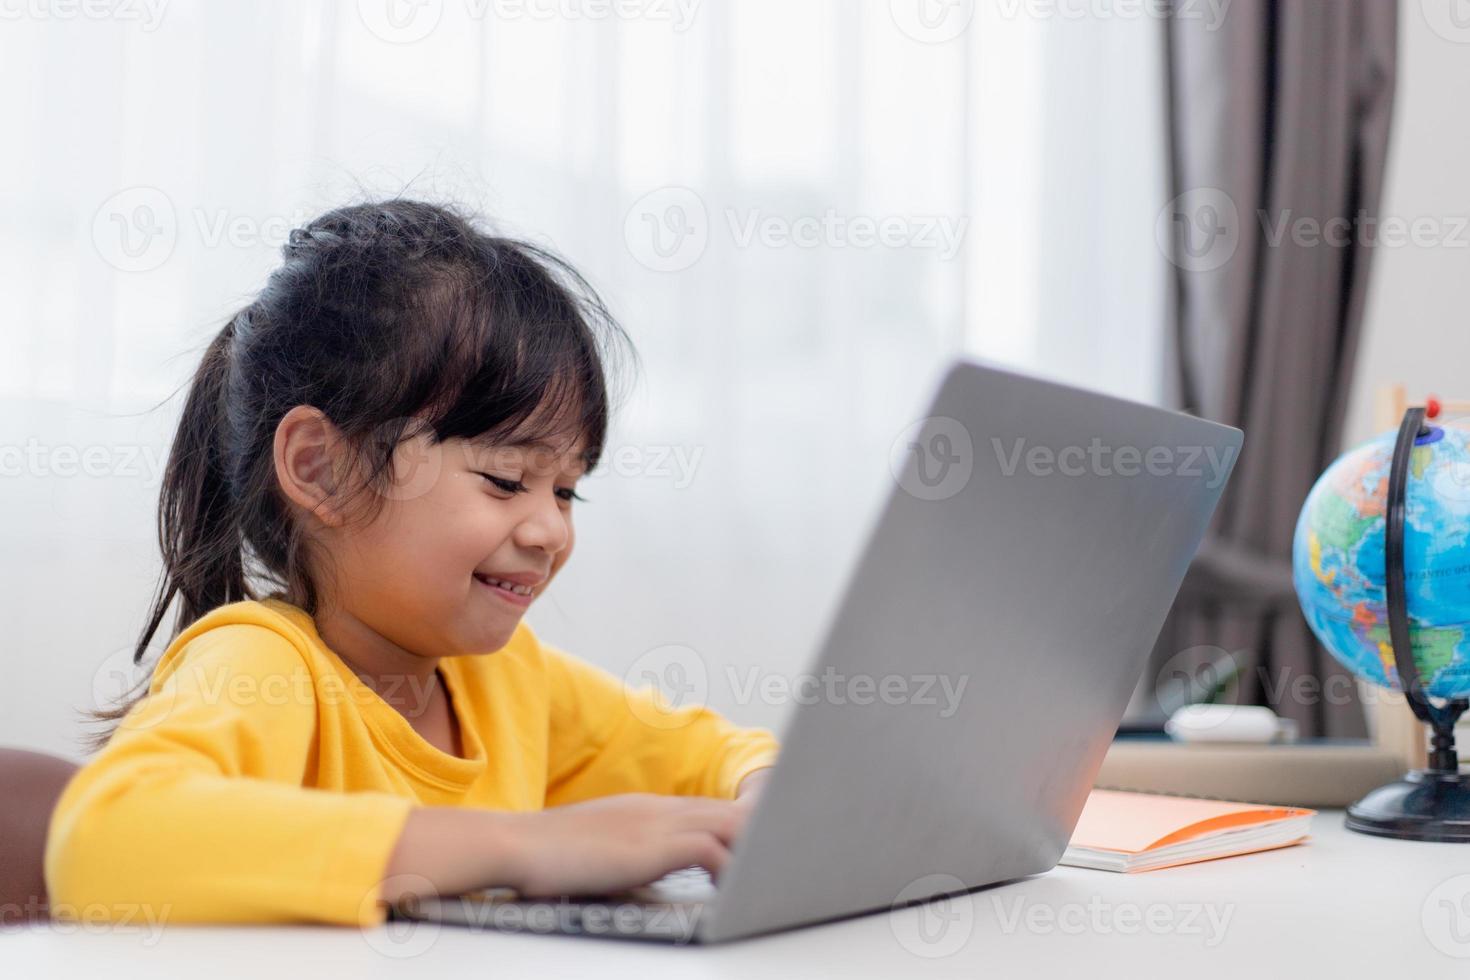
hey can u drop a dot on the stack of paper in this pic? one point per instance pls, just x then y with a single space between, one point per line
1143 832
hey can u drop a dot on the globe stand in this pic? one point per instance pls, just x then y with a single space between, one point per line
1427 804
1430 804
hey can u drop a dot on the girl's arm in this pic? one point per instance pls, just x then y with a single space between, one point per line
609 738
195 810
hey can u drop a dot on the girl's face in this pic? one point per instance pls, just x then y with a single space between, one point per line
469 535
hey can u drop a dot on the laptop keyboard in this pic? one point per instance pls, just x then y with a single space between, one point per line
682 886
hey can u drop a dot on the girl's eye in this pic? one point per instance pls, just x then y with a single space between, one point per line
504 485
567 494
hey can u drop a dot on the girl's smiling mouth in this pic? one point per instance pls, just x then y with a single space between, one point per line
517 589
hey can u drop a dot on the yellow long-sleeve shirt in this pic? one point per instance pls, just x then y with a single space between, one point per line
262 781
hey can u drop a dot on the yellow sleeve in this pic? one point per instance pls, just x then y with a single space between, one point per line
609 738
195 810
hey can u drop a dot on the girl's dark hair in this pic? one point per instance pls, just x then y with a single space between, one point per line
392 318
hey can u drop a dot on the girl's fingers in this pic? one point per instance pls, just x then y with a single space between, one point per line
721 818
698 848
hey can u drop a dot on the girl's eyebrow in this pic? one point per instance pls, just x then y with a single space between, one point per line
485 442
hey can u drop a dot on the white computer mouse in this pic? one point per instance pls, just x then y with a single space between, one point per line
1229 723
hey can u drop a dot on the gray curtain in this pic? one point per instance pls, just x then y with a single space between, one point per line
1279 118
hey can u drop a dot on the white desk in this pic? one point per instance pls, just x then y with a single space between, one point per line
1342 905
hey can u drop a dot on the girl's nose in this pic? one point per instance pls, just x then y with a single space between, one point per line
544 525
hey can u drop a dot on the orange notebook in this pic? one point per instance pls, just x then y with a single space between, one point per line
1144 831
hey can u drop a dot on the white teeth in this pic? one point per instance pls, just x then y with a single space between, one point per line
508 586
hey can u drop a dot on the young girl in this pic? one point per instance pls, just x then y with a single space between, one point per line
390 438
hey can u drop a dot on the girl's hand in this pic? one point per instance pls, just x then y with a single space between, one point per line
617 842
600 846
750 787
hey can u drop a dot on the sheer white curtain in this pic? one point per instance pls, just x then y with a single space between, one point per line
798 211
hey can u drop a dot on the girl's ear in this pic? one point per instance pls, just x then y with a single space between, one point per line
310 461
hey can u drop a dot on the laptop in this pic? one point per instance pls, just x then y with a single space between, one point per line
1030 546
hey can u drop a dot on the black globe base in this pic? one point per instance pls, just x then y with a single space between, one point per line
1427 804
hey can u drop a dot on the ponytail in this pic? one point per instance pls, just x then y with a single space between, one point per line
198 526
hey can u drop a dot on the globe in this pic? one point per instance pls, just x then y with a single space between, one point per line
1338 561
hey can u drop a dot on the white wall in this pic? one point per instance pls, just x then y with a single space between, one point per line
784 367
1417 329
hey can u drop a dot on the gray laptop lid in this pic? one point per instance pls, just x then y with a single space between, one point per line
1014 583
